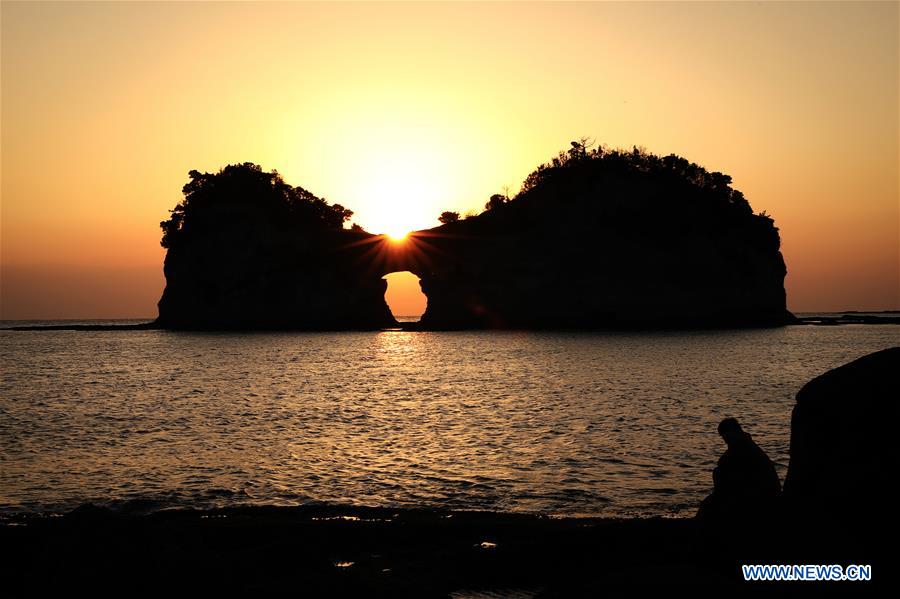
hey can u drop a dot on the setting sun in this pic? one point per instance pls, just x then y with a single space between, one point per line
397 234
403 187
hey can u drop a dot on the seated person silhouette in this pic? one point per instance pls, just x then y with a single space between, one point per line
745 484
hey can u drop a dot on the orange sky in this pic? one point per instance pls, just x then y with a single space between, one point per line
401 111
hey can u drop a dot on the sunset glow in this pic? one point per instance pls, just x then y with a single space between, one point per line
397 234
402 111
400 187
557 298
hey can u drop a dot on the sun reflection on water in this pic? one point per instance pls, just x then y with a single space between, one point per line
591 424
397 345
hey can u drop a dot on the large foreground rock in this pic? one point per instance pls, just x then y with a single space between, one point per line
844 450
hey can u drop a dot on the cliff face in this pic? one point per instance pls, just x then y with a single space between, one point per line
307 283
603 241
247 251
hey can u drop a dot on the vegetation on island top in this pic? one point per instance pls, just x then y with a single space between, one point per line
584 159
246 191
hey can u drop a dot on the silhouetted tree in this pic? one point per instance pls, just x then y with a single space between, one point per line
448 217
336 215
580 161
580 148
495 201
240 195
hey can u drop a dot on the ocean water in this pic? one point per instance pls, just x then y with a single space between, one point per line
609 424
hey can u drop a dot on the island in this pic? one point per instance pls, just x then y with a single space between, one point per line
596 239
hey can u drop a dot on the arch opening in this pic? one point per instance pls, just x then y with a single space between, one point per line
404 296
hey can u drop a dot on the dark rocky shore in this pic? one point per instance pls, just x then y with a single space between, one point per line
341 551
335 551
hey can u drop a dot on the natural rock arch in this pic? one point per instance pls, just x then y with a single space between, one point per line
404 296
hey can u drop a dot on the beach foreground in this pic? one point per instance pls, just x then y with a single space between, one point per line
325 551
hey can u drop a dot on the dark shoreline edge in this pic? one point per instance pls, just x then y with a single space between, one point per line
327 550
841 319
143 326
331 550
849 318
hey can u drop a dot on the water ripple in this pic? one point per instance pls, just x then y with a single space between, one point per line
586 424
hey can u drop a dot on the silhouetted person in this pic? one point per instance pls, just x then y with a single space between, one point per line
745 484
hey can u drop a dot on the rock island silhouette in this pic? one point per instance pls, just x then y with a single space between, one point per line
595 239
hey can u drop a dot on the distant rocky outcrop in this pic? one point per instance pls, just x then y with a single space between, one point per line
609 239
248 251
844 452
595 239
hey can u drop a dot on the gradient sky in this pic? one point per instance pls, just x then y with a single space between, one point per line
400 111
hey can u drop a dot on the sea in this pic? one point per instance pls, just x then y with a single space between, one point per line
610 424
